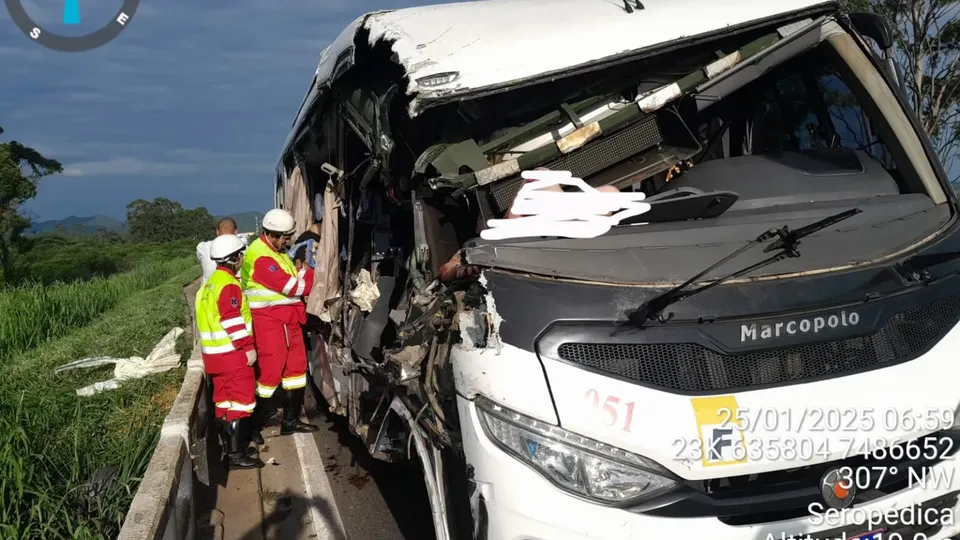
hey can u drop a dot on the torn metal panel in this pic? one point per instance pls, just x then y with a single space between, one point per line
341 362
337 56
514 378
428 461
473 330
465 48
451 49
339 50
409 359
480 327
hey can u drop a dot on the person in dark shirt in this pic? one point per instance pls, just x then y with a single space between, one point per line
298 252
299 249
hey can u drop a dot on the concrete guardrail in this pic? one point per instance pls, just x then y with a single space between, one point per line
164 507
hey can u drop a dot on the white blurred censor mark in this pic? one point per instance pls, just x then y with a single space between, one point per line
585 214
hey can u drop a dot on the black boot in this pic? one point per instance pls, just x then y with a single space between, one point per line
261 413
246 434
238 444
225 439
292 405
255 424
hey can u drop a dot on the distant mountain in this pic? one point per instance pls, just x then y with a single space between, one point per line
246 221
79 224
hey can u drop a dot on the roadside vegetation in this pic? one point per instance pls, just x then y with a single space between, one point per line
70 465
34 314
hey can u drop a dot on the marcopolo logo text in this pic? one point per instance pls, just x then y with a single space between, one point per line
811 325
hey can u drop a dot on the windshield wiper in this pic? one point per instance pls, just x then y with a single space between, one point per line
787 242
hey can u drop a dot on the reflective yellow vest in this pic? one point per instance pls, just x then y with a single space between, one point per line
260 296
213 338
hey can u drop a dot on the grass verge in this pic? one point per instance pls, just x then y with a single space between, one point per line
69 465
34 314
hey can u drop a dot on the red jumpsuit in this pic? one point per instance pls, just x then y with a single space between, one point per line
234 382
281 352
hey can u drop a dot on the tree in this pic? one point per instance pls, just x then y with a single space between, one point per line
104 236
163 220
21 168
927 49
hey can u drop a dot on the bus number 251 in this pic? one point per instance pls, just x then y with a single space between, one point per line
613 411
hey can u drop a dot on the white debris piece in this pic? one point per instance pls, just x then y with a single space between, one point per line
163 357
365 293
493 321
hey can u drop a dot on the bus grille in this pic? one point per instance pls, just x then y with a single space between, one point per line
690 367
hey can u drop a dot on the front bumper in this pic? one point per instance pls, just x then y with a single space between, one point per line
513 502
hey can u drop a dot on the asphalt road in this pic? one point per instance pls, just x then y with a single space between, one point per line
377 500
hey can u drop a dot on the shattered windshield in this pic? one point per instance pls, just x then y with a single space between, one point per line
664 160
778 139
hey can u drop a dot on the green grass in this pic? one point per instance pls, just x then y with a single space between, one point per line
34 314
54 445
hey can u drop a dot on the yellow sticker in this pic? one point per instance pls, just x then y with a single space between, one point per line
721 436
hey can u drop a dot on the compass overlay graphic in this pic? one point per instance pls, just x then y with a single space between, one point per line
72 16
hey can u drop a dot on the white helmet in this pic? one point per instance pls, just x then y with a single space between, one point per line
225 247
279 220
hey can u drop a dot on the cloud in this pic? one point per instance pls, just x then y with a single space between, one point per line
190 98
125 166
176 162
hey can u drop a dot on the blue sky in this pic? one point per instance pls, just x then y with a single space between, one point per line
191 102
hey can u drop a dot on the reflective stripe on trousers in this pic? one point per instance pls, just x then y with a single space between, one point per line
236 406
265 391
292 383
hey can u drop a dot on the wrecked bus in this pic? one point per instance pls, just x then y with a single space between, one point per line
768 350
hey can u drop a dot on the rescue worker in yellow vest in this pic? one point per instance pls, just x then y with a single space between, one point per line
224 324
275 289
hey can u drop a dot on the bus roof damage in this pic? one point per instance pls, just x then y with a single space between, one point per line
457 51
443 58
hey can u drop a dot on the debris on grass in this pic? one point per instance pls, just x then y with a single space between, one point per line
163 357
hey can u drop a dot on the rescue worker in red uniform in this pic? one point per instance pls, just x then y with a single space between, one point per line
275 289
224 325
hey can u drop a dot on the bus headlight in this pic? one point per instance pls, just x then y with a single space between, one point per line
581 466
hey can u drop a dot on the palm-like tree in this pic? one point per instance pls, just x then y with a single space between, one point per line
71 12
